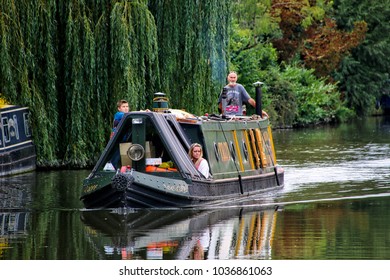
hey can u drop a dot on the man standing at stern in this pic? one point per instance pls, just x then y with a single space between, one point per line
236 95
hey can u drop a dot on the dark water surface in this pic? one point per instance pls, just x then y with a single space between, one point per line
335 205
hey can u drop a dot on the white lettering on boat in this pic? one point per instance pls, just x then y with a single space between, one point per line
176 188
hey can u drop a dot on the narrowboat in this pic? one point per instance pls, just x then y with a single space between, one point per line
146 163
17 151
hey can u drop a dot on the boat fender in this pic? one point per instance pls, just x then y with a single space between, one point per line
121 181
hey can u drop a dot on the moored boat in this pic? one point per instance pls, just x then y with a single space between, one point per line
146 163
17 151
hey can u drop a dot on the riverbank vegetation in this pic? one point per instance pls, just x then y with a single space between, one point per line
70 61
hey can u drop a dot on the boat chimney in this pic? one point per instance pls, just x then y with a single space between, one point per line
259 110
160 102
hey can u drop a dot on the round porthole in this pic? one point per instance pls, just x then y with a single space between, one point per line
136 152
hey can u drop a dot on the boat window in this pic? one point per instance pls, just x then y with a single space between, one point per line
223 150
216 151
245 150
179 134
7 137
26 118
158 159
140 136
232 150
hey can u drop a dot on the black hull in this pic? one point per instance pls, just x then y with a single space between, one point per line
17 160
200 193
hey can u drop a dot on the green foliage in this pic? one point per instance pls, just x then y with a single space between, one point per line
193 42
70 61
250 63
313 13
253 65
254 15
28 67
59 65
292 95
280 98
134 62
319 102
364 73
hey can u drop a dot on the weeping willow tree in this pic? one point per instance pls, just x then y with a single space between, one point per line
108 56
70 61
134 53
28 67
193 41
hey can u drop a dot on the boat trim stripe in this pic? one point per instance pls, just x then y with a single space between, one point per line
272 144
5 111
249 147
255 152
16 145
238 150
259 142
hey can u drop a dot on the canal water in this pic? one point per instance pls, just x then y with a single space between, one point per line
335 206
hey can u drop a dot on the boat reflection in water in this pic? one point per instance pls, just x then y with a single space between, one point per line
181 234
13 217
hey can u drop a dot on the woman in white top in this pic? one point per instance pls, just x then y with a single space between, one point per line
196 155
